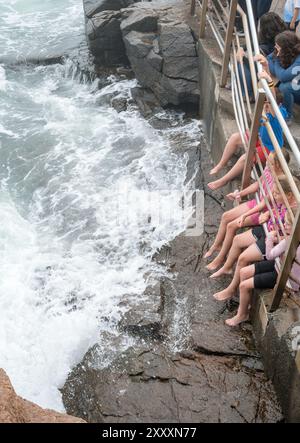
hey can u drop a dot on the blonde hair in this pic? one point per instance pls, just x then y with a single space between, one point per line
286 156
288 216
285 184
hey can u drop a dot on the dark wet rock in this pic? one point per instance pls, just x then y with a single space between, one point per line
149 386
127 72
105 38
155 60
146 101
176 40
165 61
138 45
119 104
140 21
153 40
145 320
38 59
92 7
186 69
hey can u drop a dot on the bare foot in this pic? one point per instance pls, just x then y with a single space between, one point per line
224 295
215 170
222 271
211 251
215 264
231 196
237 320
211 267
215 185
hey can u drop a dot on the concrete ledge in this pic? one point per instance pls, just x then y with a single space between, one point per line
216 109
276 336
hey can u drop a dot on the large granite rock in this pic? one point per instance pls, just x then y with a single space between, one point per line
162 55
151 37
105 38
141 20
14 409
92 7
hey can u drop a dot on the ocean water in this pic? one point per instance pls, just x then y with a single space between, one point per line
77 230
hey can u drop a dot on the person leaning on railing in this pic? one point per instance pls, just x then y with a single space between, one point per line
271 24
284 65
263 274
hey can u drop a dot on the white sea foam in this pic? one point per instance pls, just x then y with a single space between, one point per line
71 169
3 81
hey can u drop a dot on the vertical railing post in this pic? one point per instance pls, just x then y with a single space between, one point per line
203 18
286 265
193 7
253 136
228 42
298 360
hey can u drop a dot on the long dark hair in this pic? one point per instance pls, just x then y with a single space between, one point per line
289 44
271 24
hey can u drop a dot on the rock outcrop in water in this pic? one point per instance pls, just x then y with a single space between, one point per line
14 409
153 39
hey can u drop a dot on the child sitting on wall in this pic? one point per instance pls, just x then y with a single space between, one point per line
229 222
252 242
263 274
235 142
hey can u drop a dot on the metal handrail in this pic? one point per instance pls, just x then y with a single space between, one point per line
227 47
266 88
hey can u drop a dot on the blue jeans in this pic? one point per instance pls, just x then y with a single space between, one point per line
296 25
248 79
291 95
263 6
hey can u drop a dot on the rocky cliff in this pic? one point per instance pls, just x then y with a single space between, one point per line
14 409
153 39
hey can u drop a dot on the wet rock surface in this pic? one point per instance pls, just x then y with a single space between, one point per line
149 386
185 365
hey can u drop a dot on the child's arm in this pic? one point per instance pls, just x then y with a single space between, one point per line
285 74
265 62
295 16
272 251
258 208
265 75
239 195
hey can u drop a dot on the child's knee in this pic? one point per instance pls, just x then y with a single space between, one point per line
237 241
233 226
226 217
236 136
243 259
243 274
244 285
